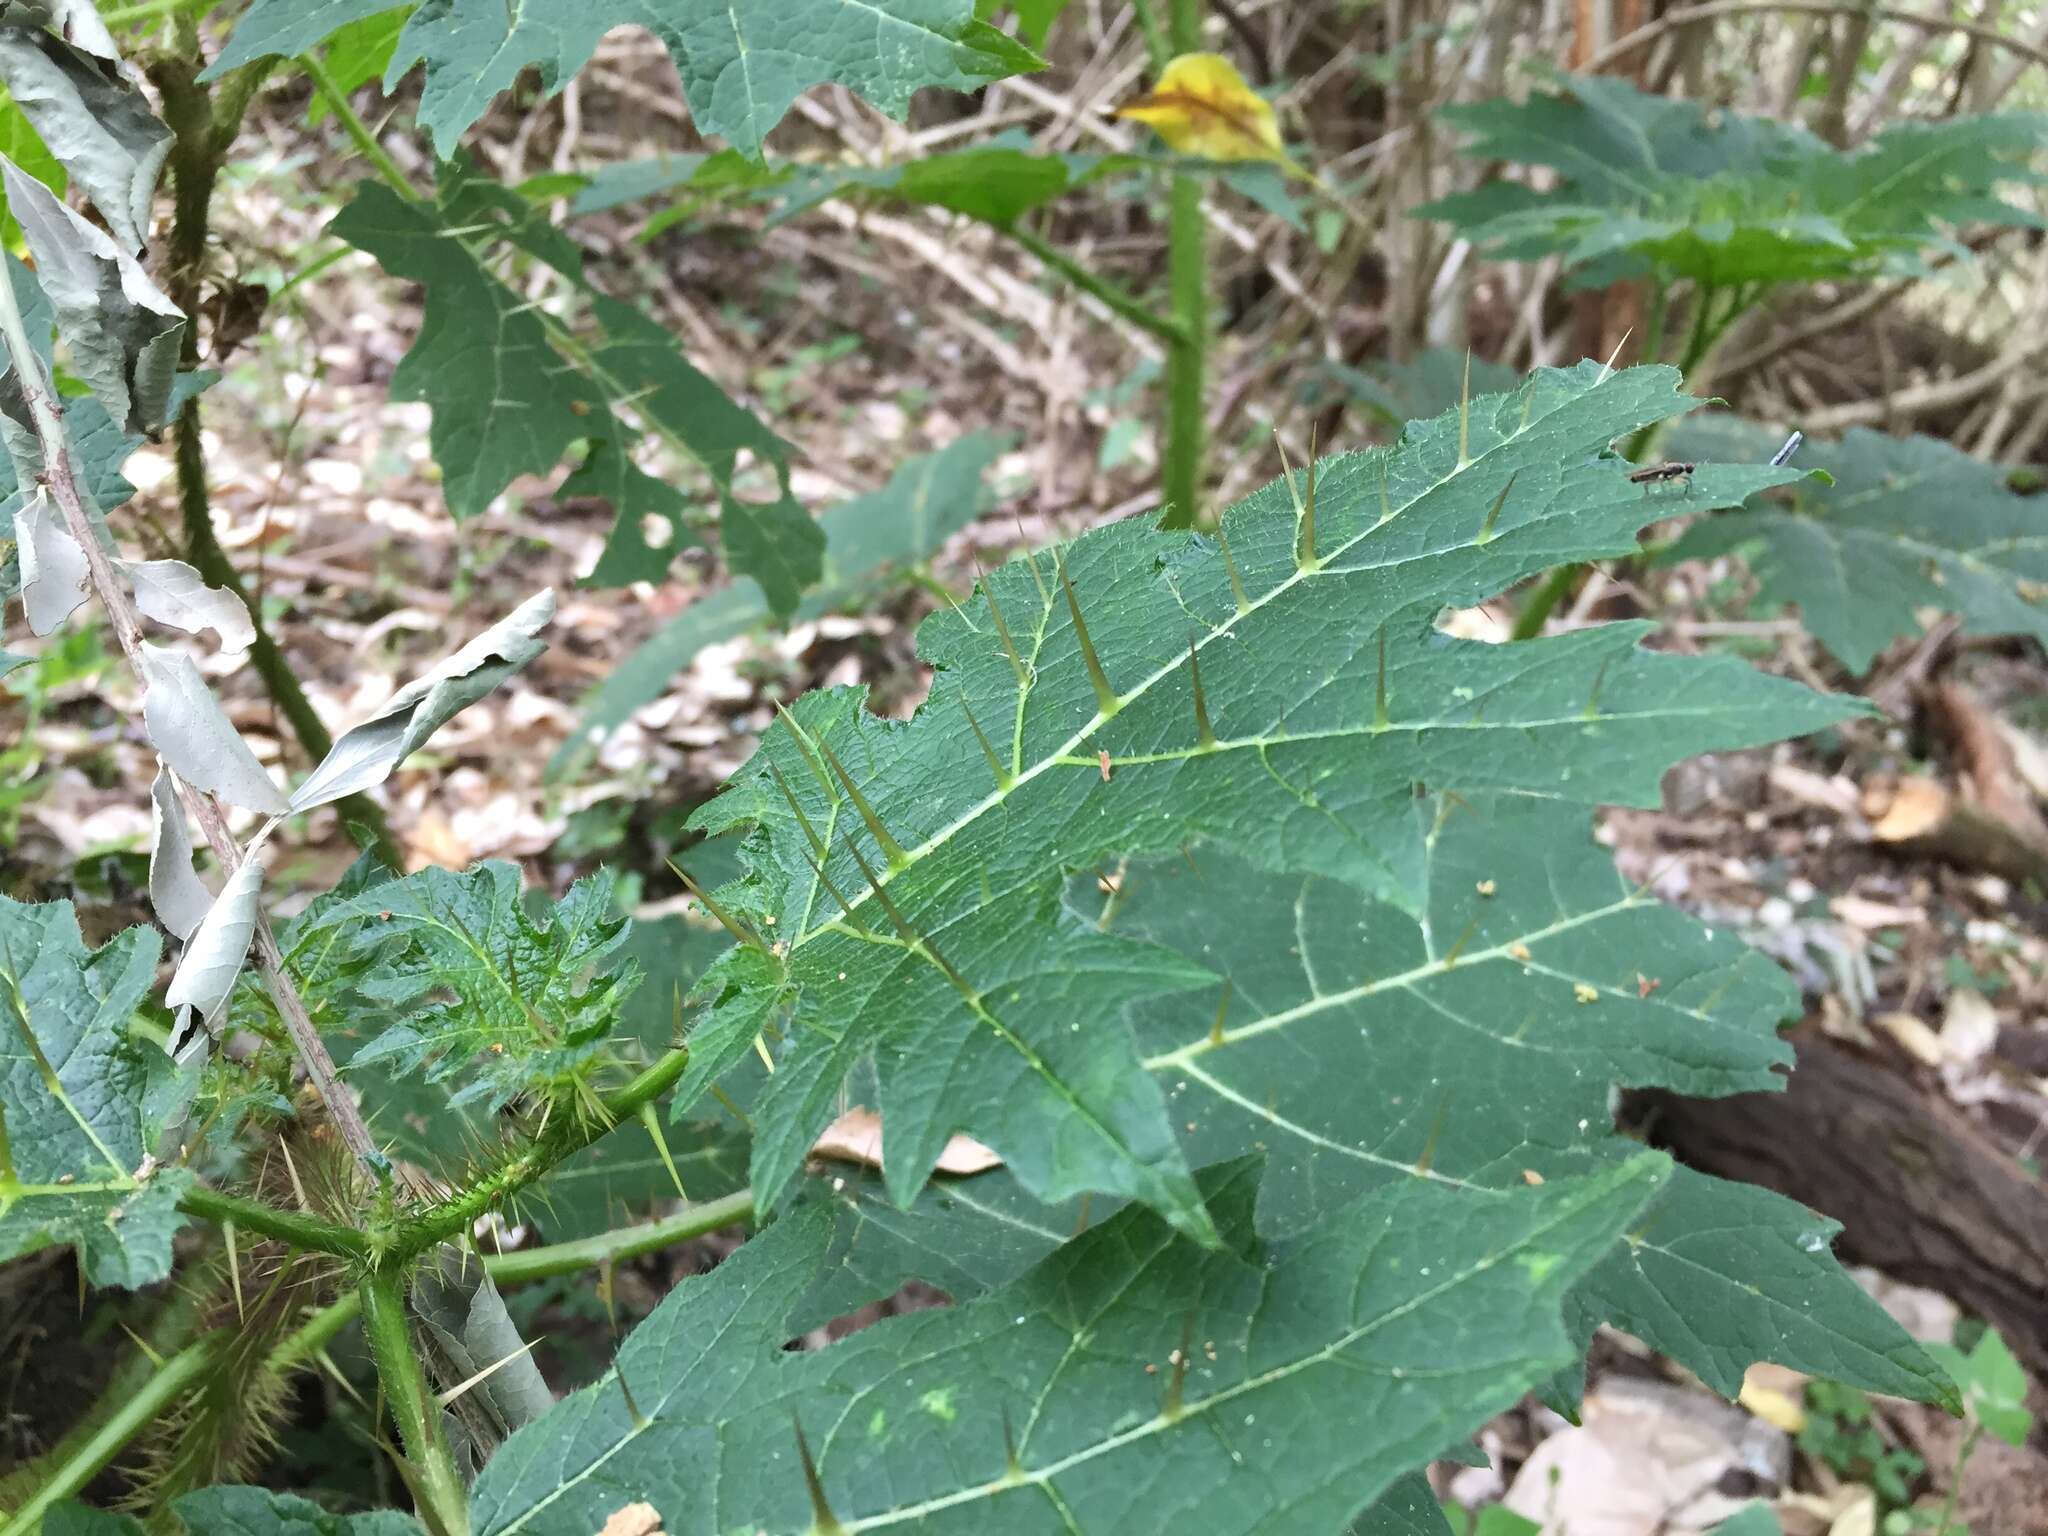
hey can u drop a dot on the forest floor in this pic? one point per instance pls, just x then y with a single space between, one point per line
865 341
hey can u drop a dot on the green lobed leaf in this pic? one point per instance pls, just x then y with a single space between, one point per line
1481 1040
485 994
1724 199
928 500
518 403
1016 1037
1318 1373
262 1512
1909 523
741 67
83 1104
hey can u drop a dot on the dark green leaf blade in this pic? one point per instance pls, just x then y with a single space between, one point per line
741 67
83 1105
1482 1041
1910 522
1305 772
1318 1373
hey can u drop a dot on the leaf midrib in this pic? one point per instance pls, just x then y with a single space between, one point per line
1323 565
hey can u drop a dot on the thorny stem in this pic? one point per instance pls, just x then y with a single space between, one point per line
205 124
291 1227
131 1409
567 1134
436 1485
131 1415
63 487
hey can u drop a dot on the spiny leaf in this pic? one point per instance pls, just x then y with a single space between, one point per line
1318 1372
83 1105
1481 1039
741 67
1909 523
485 994
520 402
1301 776
1201 106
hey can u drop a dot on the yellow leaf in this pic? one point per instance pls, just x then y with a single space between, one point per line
1202 106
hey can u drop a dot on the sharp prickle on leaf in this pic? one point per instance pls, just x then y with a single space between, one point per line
891 849
1106 699
823 1523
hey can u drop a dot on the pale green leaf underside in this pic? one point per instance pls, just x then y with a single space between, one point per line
1319 1372
742 65
1909 523
81 1103
1305 775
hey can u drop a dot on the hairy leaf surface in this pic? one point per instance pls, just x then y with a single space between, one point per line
1000 1018
488 995
82 1103
741 66
1317 1373
1910 523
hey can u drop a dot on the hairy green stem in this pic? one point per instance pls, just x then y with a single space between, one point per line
130 1416
1117 299
570 1133
623 1243
289 1227
336 99
1187 275
437 1487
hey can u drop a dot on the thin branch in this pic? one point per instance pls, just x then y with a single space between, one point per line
62 484
1685 15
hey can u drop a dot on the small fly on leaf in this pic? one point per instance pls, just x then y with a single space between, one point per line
1658 474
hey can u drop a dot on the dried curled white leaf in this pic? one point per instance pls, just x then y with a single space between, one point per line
171 592
367 753
214 954
180 899
194 739
53 568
